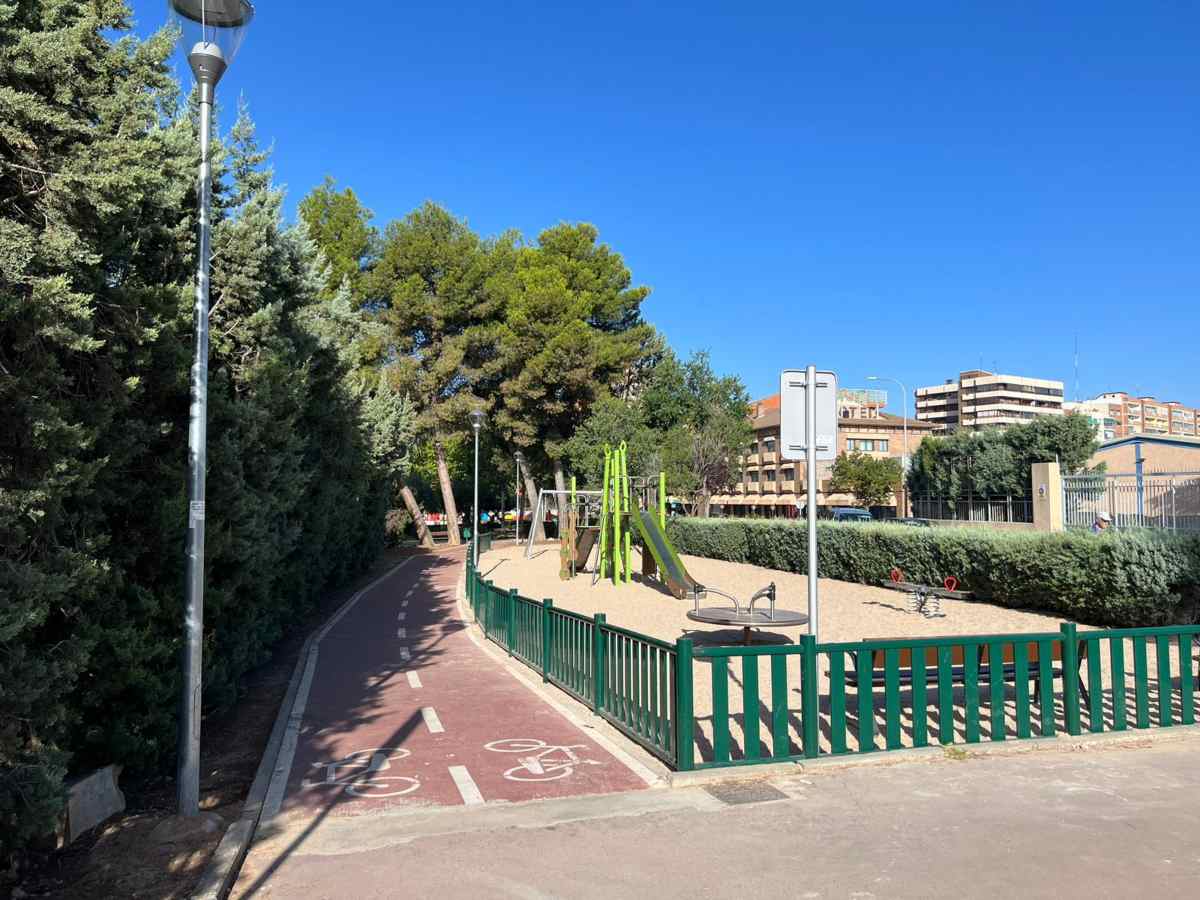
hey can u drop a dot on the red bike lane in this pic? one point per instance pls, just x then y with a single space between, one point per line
404 710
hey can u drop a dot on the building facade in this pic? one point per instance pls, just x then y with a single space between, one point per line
979 399
771 486
1116 415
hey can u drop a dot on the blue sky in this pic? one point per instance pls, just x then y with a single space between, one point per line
875 188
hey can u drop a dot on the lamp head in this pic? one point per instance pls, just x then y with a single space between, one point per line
476 418
214 30
519 456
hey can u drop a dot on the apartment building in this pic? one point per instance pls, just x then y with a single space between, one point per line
978 399
771 486
1116 415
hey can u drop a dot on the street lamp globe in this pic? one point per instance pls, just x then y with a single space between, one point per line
213 30
519 457
476 418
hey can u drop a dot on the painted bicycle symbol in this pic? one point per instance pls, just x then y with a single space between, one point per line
357 773
542 762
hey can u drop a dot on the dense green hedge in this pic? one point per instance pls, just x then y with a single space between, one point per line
1123 580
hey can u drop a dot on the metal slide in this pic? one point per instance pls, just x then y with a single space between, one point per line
678 581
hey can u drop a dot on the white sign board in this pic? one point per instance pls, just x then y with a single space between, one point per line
792 418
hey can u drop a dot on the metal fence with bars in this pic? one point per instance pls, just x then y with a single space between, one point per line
973 509
1166 500
699 705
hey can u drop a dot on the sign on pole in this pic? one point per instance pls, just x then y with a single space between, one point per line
808 431
793 419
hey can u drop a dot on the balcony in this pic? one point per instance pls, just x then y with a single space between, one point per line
768 457
768 487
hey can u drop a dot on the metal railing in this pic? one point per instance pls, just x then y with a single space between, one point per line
868 696
627 678
708 706
973 509
1166 500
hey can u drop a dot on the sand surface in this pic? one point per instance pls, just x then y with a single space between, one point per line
847 612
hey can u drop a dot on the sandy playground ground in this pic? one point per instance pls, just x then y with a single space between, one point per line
848 612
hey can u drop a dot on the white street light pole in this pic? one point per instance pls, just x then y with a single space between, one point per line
904 407
476 423
214 30
520 458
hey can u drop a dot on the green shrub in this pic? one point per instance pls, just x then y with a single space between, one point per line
1126 579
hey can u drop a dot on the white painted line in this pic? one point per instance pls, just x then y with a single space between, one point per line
411 591
516 671
401 632
432 722
401 617
414 680
466 785
291 737
403 604
404 654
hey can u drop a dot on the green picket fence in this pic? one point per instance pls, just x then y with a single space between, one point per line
711 706
625 677
779 703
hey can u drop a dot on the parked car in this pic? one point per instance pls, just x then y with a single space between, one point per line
915 523
851 514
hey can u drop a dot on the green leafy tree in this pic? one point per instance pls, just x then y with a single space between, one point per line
572 330
341 227
998 461
443 304
871 480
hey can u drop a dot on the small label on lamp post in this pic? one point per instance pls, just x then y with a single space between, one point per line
195 511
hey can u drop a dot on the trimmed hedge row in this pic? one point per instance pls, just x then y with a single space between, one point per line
1127 579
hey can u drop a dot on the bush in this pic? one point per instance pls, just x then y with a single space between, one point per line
1127 579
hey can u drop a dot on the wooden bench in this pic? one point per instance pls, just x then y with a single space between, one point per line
1008 666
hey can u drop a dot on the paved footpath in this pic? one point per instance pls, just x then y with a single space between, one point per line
404 710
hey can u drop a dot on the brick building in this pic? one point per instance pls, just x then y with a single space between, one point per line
1116 414
771 486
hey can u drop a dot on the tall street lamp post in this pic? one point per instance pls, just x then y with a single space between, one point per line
904 407
520 458
476 423
214 30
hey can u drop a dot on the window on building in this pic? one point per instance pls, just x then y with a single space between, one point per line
768 445
789 474
769 475
753 477
881 446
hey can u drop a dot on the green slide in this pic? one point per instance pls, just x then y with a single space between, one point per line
678 581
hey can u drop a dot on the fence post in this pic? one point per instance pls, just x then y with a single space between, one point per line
684 725
809 705
510 621
1070 657
599 666
547 639
489 602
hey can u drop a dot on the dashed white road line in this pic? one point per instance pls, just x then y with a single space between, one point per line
405 656
432 722
400 617
414 680
401 632
410 591
466 785
403 603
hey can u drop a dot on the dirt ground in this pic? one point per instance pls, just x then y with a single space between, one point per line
119 858
848 613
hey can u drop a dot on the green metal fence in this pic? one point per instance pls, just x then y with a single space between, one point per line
712 706
625 677
796 702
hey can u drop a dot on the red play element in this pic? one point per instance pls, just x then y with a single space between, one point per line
951 583
896 575
366 746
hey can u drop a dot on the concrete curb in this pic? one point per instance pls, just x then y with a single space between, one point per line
218 877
